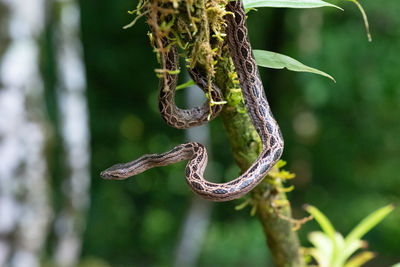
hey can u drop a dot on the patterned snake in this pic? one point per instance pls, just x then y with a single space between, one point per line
257 108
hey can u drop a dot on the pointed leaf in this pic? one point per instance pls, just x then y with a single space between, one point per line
278 61
368 223
360 259
322 220
287 3
352 247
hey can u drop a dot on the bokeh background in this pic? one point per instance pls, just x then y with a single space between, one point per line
78 94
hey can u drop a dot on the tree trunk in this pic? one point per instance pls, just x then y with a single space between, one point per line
24 194
74 130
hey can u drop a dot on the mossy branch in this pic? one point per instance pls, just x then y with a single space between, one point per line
268 199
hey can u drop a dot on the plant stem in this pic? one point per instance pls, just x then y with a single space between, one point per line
275 218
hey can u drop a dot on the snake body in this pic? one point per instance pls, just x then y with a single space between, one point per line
184 118
259 113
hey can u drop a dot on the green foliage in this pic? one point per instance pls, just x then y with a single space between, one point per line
332 250
287 3
278 61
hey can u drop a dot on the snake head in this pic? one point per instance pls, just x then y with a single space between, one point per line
107 175
116 172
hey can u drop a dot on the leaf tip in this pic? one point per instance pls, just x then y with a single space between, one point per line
392 206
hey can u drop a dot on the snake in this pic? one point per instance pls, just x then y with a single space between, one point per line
185 118
259 112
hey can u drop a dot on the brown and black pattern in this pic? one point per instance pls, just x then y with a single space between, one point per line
259 111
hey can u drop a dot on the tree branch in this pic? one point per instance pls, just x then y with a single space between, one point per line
272 207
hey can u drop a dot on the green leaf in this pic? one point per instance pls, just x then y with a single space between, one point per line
319 257
273 60
287 3
360 259
322 220
368 223
352 247
323 245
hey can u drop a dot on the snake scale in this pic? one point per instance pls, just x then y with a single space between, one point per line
257 107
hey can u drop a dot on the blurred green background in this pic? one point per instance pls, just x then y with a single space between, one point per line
341 139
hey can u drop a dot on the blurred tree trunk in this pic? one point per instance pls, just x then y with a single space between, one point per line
24 194
74 131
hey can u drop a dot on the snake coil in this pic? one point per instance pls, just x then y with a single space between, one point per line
257 107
